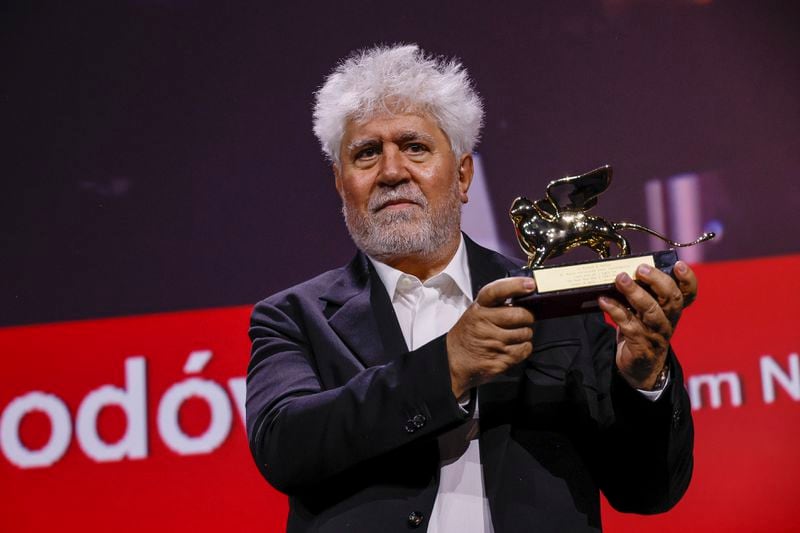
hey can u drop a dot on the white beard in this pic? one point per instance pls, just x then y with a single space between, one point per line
421 230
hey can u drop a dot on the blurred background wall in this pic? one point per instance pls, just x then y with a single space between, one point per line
158 156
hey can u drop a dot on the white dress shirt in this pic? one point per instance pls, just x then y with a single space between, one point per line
426 310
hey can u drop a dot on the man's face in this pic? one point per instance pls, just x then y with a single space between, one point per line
401 186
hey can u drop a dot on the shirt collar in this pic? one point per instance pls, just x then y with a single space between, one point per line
457 270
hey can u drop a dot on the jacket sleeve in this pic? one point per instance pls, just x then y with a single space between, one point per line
301 433
643 457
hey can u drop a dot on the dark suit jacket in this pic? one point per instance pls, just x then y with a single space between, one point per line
344 419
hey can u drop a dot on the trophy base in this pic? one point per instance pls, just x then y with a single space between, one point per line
573 289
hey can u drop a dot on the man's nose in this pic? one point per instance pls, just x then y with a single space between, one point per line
393 167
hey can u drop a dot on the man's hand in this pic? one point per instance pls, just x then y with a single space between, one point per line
645 330
490 336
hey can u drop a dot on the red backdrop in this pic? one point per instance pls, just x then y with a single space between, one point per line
738 345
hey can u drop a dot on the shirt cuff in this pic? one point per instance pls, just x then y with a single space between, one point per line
464 401
654 395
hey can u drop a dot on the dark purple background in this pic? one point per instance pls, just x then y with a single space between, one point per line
158 155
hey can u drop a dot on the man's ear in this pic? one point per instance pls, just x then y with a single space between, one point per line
337 174
466 168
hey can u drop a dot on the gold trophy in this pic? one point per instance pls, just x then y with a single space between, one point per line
560 222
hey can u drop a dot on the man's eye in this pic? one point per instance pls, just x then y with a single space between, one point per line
416 148
367 153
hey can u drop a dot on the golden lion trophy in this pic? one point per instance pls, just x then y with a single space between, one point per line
560 222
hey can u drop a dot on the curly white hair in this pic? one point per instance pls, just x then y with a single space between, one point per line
398 79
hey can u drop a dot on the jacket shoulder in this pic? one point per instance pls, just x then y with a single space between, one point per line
338 283
310 288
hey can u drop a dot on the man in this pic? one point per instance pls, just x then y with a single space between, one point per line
402 391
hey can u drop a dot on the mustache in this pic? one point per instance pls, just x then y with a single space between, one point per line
402 193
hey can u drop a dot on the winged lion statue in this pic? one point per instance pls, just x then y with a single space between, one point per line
559 222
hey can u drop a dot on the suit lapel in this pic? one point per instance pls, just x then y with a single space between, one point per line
485 265
495 398
361 314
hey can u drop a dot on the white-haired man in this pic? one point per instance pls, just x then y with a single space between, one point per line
400 392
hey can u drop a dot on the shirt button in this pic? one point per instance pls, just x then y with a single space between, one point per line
406 282
415 519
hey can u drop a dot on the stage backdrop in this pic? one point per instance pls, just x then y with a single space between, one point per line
159 177
136 423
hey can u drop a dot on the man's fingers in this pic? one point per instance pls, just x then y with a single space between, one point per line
495 339
497 292
508 317
687 282
631 327
515 336
490 336
620 314
519 352
665 291
646 307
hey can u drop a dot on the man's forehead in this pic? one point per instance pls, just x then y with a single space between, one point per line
398 137
392 128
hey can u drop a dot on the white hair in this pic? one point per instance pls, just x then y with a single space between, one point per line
398 79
